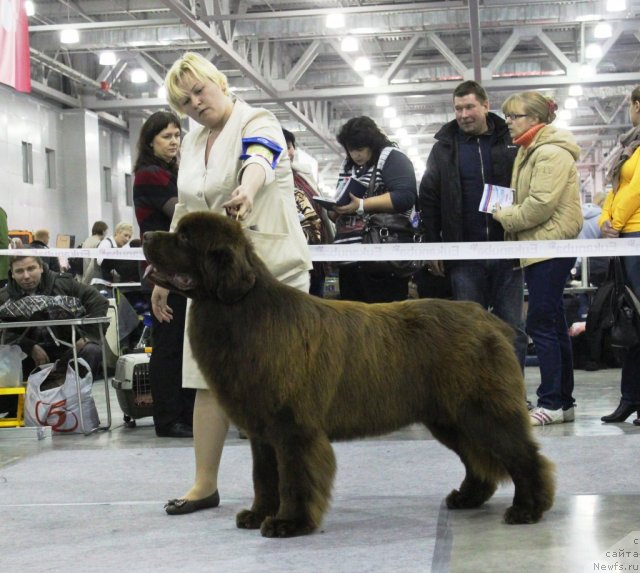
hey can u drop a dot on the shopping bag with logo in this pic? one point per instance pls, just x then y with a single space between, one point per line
52 398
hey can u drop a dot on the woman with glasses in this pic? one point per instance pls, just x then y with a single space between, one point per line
546 207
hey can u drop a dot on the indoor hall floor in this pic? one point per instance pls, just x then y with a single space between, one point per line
75 503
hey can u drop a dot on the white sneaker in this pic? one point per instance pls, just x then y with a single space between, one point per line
542 417
569 414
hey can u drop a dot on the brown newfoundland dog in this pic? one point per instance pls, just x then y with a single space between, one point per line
296 372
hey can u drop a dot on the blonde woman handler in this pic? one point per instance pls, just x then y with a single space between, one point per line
546 207
233 163
621 218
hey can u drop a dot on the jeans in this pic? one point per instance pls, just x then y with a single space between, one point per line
363 286
630 382
547 326
497 286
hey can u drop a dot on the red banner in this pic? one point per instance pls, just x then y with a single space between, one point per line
15 66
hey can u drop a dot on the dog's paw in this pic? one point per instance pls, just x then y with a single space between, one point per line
273 527
457 500
248 519
515 515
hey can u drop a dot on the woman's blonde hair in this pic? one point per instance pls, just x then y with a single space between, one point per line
534 104
200 68
123 226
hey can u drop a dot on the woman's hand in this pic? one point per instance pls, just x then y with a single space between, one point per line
161 310
241 202
350 208
608 232
39 355
496 212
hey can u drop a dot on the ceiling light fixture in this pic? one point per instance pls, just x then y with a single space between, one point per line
593 51
602 31
334 21
382 100
69 36
362 64
139 76
389 112
575 90
107 59
570 103
349 44
29 8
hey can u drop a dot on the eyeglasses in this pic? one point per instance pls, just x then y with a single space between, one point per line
514 116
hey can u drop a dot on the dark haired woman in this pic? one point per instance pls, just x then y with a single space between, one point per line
621 218
155 195
371 154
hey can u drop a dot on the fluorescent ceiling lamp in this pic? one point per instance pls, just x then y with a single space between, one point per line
334 21
371 81
564 114
139 76
362 64
349 44
29 8
593 51
570 103
616 5
107 59
162 92
602 31
69 36
575 90
382 100
389 112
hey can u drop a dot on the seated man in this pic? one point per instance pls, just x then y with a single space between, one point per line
28 276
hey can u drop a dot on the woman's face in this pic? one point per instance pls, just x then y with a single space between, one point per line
166 144
360 156
205 102
122 237
634 113
518 121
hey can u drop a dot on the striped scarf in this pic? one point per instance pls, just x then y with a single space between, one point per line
627 144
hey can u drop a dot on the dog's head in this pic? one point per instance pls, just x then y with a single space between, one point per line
207 256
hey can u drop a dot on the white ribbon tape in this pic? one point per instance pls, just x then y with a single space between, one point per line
408 251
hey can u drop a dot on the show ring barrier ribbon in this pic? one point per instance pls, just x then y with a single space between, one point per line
406 251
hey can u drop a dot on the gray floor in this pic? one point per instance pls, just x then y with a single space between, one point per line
75 503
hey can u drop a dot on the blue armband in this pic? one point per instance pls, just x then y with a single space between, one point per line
271 147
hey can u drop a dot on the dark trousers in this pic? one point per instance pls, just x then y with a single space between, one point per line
630 382
356 284
547 326
171 402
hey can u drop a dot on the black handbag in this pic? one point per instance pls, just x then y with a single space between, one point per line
389 228
614 314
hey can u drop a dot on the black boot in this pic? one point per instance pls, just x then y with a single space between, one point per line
636 422
622 412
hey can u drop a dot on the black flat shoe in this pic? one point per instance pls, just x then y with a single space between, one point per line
175 430
636 422
182 506
621 413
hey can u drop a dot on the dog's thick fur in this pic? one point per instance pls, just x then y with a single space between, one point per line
297 371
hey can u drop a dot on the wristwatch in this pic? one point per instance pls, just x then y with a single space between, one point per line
360 209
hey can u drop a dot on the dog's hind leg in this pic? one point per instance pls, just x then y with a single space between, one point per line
474 489
265 485
307 466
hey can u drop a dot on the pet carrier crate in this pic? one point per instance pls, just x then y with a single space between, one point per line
133 387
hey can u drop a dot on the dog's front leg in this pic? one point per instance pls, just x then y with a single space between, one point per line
307 466
265 486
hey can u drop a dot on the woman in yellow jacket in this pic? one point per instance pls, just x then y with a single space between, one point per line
546 207
621 218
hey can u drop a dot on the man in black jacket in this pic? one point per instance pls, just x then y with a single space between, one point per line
470 151
30 276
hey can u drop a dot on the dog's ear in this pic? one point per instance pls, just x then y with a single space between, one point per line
228 273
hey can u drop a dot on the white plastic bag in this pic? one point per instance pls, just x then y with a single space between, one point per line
58 407
11 357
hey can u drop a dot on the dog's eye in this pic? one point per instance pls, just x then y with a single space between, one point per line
182 238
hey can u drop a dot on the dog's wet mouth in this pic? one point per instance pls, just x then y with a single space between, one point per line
179 281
